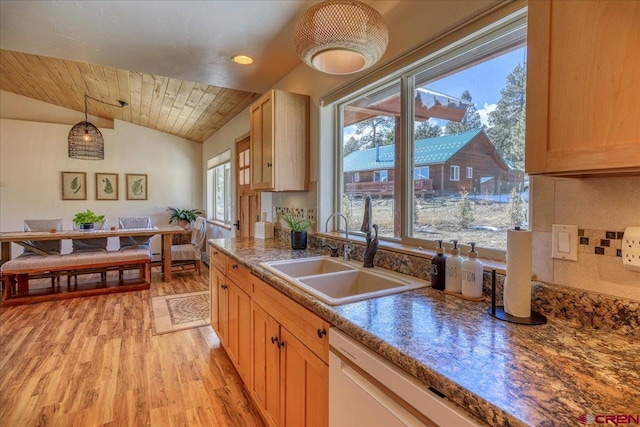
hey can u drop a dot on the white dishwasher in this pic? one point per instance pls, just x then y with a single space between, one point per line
361 384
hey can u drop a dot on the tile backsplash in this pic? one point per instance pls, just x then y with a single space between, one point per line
600 242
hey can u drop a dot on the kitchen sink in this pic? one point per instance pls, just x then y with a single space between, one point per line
309 266
338 282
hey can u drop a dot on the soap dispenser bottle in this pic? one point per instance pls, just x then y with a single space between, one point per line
438 268
453 264
472 274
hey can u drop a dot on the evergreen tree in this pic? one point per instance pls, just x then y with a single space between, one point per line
507 131
350 146
376 131
426 130
470 120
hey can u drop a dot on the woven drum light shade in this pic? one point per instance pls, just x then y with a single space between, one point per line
340 36
86 142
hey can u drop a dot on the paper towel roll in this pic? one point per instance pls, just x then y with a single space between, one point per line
517 284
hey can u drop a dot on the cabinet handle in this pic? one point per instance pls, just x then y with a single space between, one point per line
215 252
269 165
274 340
234 266
322 332
281 344
223 286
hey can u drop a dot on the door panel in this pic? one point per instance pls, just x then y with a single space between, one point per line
248 203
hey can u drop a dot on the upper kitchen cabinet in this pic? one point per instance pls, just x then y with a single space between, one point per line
280 142
583 87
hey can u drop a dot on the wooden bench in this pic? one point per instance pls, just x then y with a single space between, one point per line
17 272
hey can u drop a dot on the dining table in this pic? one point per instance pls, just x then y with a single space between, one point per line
25 239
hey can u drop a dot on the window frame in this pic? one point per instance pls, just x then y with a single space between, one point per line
220 162
454 173
501 35
469 172
416 168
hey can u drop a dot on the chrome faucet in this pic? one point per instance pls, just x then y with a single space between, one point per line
347 244
372 243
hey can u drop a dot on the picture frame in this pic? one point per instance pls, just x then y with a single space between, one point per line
136 186
74 186
106 186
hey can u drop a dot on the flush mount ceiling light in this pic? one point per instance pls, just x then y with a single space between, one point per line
341 36
242 59
85 140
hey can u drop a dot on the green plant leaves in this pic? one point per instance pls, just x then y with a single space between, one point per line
295 223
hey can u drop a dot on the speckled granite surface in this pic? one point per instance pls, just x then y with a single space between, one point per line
502 373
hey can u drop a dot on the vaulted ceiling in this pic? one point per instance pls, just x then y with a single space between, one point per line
169 60
186 109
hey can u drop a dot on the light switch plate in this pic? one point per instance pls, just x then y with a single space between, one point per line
564 240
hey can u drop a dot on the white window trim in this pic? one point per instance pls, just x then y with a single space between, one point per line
221 159
469 173
454 173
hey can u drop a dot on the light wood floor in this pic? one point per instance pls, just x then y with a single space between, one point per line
94 362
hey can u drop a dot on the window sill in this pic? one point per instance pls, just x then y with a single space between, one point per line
417 251
219 224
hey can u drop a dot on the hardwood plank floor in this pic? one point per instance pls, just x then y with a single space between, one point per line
94 362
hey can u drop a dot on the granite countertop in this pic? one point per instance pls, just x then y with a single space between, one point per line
504 374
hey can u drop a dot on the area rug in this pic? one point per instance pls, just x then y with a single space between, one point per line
180 311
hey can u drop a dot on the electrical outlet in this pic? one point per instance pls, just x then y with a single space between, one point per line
631 248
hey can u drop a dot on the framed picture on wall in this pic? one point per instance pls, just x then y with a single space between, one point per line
106 186
74 186
136 186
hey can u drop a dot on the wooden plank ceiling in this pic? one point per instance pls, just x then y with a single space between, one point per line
190 110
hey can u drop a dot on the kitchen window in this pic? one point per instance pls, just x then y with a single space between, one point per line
462 105
219 188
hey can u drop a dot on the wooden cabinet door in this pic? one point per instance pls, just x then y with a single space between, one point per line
583 87
239 338
265 376
223 314
261 125
216 280
304 393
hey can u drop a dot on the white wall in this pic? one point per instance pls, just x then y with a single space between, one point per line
33 153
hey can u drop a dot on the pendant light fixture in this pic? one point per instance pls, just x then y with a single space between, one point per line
85 140
341 36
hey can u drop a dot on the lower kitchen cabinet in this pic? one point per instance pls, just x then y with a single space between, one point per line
265 364
239 335
305 384
290 384
217 289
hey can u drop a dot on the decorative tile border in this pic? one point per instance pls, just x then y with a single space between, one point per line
600 242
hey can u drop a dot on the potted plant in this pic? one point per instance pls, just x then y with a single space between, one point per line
298 228
85 220
183 217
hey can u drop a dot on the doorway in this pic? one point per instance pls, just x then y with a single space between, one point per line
248 201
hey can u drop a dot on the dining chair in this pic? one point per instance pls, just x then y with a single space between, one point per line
53 247
127 242
94 244
191 253
127 222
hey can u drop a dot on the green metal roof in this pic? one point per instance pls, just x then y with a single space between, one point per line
427 152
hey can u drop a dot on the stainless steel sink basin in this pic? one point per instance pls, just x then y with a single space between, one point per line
338 282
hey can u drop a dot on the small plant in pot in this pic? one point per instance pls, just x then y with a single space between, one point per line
298 228
183 217
86 220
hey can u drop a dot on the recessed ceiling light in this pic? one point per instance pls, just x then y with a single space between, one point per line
242 59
